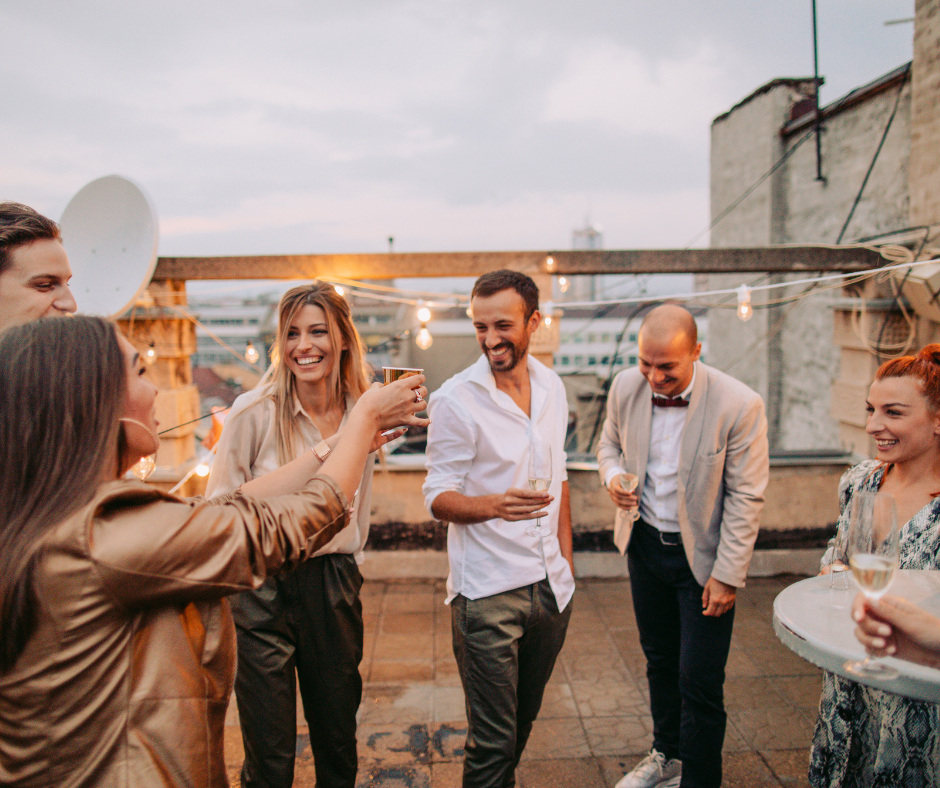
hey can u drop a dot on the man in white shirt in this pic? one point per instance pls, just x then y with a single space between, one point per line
34 268
509 591
697 440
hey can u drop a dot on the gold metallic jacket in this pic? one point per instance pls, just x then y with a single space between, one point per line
126 680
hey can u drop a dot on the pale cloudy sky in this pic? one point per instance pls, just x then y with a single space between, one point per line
296 126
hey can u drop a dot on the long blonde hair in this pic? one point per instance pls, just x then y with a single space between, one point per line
349 376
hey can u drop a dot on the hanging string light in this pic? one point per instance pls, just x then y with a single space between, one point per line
424 340
340 290
424 314
550 263
150 355
201 470
548 311
251 353
745 310
563 284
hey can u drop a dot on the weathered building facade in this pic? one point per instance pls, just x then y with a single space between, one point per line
877 180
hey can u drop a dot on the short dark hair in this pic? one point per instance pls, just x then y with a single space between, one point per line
20 225
496 281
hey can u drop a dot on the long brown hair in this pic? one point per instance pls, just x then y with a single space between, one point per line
349 376
63 383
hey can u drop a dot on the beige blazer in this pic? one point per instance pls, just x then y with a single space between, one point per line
723 467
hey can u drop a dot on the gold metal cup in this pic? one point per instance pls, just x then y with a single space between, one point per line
392 374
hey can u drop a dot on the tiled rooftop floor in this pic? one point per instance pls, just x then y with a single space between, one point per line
594 724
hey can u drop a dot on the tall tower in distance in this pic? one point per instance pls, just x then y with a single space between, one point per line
585 288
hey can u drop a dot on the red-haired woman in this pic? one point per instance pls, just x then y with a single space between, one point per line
865 736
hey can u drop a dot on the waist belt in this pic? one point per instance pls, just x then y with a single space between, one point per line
667 538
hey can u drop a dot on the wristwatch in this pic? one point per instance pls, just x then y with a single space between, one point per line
322 451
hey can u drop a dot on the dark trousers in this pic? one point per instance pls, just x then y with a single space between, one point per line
686 654
309 621
505 646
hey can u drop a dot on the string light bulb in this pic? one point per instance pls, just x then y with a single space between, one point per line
424 340
144 466
550 263
340 290
251 353
548 311
202 470
150 355
563 284
424 314
745 310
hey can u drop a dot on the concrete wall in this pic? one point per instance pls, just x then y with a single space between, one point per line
801 497
925 115
788 352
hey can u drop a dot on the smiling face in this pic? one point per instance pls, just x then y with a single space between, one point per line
308 348
667 360
502 328
900 421
36 283
139 407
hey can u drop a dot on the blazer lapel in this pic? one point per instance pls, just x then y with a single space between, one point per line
694 426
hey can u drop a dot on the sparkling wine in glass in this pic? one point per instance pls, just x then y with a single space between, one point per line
540 479
629 481
873 549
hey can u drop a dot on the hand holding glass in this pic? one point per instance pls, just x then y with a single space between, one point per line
540 479
873 549
628 482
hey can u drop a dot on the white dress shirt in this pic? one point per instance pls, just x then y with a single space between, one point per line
248 450
659 501
478 444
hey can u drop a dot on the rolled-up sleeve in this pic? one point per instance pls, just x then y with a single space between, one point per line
149 547
451 448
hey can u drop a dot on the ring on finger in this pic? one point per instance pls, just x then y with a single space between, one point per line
417 396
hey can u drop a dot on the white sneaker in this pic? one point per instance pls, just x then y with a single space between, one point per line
654 771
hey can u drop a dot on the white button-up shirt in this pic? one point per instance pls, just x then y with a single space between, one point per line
478 444
659 502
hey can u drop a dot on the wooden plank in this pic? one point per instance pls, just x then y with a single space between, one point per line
776 259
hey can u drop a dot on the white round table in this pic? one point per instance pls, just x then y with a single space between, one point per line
816 622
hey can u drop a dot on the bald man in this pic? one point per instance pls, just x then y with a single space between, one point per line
34 268
696 441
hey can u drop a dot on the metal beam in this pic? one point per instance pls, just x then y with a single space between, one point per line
771 259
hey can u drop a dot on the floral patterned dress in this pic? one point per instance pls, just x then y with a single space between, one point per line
866 737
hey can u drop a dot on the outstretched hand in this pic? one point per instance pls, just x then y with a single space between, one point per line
397 404
894 626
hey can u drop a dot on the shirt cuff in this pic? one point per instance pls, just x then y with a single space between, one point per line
618 471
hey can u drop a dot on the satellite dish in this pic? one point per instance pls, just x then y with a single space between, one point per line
109 230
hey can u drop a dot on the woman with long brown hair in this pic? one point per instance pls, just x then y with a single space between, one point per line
118 654
866 736
304 627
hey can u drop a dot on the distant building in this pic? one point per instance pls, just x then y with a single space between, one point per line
234 322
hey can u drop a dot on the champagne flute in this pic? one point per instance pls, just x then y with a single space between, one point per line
540 479
629 481
873 548
839 561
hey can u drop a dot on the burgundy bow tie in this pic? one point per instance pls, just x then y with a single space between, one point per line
667 402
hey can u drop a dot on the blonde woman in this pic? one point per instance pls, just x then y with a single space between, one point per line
304 627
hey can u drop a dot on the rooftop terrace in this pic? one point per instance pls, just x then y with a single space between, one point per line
594 724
